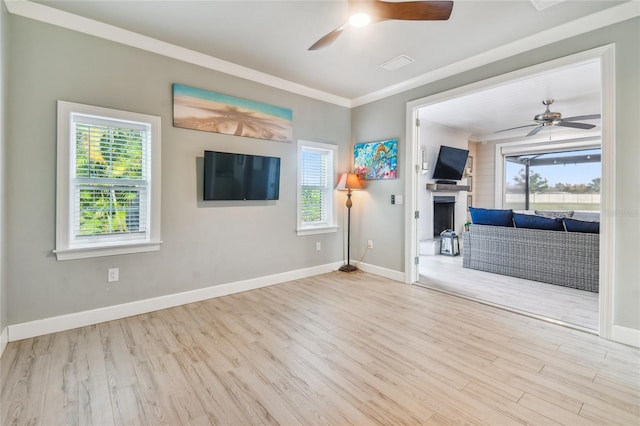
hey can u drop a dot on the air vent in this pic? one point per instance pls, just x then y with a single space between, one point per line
543 4
397 62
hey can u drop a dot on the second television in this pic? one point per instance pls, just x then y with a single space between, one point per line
450 165
229 176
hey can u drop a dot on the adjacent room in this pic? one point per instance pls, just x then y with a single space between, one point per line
538 169
224 212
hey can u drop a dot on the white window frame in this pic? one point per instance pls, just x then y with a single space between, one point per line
330 225
68 247
503 150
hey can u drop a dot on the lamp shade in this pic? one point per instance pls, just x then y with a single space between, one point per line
349 181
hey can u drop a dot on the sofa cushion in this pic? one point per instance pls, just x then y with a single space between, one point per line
573 225
493 217
550 213
537 222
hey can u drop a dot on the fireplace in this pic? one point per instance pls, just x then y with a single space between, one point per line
444 216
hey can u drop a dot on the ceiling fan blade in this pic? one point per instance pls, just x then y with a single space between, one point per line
584 126
514 128
582 117
413 10
534 131
328 39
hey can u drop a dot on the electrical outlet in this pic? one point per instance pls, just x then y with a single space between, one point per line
318 246
113 275
370 244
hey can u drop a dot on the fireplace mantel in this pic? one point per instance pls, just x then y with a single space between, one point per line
446 187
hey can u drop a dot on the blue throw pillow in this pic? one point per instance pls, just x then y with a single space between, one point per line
537 222
574 225
491 217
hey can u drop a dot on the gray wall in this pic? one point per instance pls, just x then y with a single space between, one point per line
205 244
3 85
386 118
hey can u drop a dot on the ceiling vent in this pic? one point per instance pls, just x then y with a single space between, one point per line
397 62
543 4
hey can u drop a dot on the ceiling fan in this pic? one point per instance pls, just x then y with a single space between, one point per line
550 118
363 12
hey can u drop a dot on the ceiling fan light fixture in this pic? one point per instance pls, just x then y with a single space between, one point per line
360 19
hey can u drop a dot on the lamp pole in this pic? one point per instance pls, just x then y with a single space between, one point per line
348 267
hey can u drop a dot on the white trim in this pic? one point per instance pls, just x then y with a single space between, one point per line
628 336
67 248
608 194
331 225
109 313
53 16
4 339
607 241
315 231
583 25
42 13
379 270
529 147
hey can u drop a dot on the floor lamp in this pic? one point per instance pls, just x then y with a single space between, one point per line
348 182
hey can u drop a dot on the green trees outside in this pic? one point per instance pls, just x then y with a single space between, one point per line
539 184
109 179
536 182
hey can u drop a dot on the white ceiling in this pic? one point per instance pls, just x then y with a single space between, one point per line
576 90
272 37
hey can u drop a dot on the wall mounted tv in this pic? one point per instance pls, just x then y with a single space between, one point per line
450 165
230 176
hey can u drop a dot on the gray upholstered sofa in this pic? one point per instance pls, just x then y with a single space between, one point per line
568 259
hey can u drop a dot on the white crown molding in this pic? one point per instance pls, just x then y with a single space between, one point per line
50 15
583 25
53 16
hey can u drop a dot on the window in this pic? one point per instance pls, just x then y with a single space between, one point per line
315 188
553 180
108 189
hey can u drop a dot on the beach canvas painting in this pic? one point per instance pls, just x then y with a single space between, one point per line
199 109
376 160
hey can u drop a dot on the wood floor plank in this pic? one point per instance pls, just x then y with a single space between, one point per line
335 349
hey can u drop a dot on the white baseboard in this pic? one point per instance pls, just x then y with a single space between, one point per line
109 313
383 272
626 335
4 339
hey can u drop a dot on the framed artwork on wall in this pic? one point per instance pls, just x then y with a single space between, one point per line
199 109
470 183
376 160
469 201
469 166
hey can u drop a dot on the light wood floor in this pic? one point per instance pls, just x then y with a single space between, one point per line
567 305
336 349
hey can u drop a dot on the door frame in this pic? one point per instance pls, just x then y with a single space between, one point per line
606 56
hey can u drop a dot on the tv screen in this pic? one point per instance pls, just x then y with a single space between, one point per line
230 176
450 164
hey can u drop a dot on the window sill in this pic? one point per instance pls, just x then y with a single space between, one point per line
318 230
88 252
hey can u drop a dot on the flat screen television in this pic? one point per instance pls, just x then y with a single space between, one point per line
230 176
450 165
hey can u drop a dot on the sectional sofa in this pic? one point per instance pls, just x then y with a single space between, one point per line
550 247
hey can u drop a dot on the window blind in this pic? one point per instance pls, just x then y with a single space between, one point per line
315 186
110 177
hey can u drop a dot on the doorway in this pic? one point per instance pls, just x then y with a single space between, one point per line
604 58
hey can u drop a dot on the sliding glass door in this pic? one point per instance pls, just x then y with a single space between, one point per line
563 180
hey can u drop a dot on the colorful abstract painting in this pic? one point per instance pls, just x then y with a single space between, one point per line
199 109
376 160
